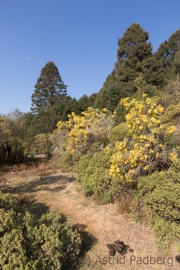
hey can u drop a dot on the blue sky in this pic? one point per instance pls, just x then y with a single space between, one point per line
79 36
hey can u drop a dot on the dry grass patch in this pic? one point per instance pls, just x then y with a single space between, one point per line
124 202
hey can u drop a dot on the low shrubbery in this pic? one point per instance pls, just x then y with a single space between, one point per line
30 243
66 162
119 132
157 202
93 175
172 112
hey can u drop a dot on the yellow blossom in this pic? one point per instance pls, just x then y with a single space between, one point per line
170 129
173 156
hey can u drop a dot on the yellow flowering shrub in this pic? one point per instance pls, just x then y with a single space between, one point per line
146 151
81 129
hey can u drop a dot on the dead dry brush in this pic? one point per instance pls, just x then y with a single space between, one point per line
45 169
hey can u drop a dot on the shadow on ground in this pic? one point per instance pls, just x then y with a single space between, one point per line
26 191
88 241
178 258
38 209
37 185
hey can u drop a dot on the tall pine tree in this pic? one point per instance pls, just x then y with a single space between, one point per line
167 55
49 88
133 56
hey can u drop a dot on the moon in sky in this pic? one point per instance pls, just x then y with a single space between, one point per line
28 58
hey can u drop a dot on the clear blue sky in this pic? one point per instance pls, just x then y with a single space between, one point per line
79 36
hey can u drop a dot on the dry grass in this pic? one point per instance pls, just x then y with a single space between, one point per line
43 170
4 177
25 199
98 225
124 202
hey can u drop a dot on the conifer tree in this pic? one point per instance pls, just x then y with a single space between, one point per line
83 103
177 62
167 55
92 99
133 56
48 89
110 94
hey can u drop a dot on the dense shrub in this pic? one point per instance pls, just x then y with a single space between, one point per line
60 157
82 177
93 175
147 150
119 132
30 243
67 161
93 125
120 114
97 147
171 114
158 202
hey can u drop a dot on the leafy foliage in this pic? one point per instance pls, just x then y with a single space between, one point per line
30 243
119 132
157 201
83 130
40 123
83 103
170 96
146 152
93 175
171 113
41 144
177 62
11 151
14 128
46 121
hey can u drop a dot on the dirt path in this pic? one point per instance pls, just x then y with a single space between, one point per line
103 224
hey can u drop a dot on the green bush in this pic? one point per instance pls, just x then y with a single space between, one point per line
93 175
120 114
119 132
82 177
98 147
30 243
171 113
65 161
157 201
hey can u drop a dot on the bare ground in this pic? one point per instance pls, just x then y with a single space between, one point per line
99 224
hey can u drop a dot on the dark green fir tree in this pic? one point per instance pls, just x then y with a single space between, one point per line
167 55
49 88
110 94
177 63
83 103
133 56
